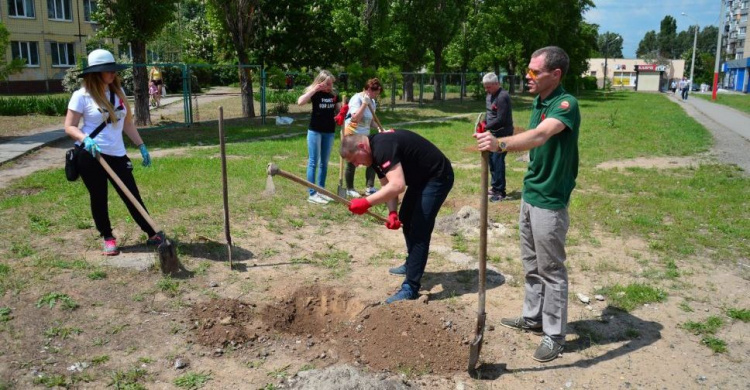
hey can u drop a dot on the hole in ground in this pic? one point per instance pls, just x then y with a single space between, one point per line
312 310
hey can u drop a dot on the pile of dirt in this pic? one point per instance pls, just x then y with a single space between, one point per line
409 336
222 322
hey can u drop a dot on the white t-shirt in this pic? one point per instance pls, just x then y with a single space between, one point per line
363 126
109 138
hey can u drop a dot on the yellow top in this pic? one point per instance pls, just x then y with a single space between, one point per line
155 74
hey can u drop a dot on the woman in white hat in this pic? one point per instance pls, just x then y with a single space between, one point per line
102 104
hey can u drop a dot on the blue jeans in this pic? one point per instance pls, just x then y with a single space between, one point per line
319 151
419 208
497 169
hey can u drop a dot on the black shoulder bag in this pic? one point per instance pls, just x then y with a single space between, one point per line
71 155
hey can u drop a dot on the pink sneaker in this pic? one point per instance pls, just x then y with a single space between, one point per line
110 247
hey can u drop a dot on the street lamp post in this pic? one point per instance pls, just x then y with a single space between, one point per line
606 51
695 42
718 52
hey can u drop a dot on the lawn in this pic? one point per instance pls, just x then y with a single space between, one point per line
737 101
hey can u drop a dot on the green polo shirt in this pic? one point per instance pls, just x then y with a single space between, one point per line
553 166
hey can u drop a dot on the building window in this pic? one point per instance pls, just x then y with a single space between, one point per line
59 9
62 54
89 7
21 8
28 51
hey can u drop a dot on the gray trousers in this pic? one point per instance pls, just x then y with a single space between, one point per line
543 256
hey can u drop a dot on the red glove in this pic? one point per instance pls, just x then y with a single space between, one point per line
480 126
341 115
359 206
393 221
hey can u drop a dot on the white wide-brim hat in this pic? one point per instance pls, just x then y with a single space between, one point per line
101 60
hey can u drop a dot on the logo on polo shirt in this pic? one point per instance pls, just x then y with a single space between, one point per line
565 105
385 165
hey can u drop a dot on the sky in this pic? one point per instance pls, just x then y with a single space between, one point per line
633 19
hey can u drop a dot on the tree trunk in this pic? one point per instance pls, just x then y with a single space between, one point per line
437 82
142 114
409 88
246 87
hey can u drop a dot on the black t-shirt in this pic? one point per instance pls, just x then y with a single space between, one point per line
324 104
420 159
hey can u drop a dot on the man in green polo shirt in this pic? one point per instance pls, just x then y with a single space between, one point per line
552 141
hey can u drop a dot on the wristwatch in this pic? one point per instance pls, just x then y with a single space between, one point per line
502 147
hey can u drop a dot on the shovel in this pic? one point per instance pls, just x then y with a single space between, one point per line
375 118
341 190
274 170
225 191
476 346
167 254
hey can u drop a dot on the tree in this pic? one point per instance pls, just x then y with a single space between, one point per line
16 64
435 22
238 20
648 45
136 22
667 38
610 44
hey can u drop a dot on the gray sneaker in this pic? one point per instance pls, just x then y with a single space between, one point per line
400 270
548 350
519 323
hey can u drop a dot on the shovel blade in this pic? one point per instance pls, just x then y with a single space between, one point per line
476 346
341 191
168 257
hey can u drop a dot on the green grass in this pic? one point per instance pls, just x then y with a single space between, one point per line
707 329
192 380
631 296
739 314
739 102
51 299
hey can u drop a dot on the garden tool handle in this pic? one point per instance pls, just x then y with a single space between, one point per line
127 192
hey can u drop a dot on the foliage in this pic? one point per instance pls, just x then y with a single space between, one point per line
589 83
15 65
136 22
275 78
41 105
609 44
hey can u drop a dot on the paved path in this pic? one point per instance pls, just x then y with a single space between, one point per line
730 129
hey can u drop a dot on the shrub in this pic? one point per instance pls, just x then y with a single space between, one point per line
589 83
42 105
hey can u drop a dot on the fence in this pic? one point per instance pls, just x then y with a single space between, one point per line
195 91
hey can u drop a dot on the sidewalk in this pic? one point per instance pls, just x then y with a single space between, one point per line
727 117
21 146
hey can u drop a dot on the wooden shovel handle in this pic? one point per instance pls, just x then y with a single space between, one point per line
325 192
127 192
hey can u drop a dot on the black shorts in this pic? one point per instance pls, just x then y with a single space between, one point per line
158 82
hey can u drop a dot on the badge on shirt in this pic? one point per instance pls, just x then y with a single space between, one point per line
385 165
565 105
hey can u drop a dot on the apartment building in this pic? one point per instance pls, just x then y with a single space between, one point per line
736 69
50 35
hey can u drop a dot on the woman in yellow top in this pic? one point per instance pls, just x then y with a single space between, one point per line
155 76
